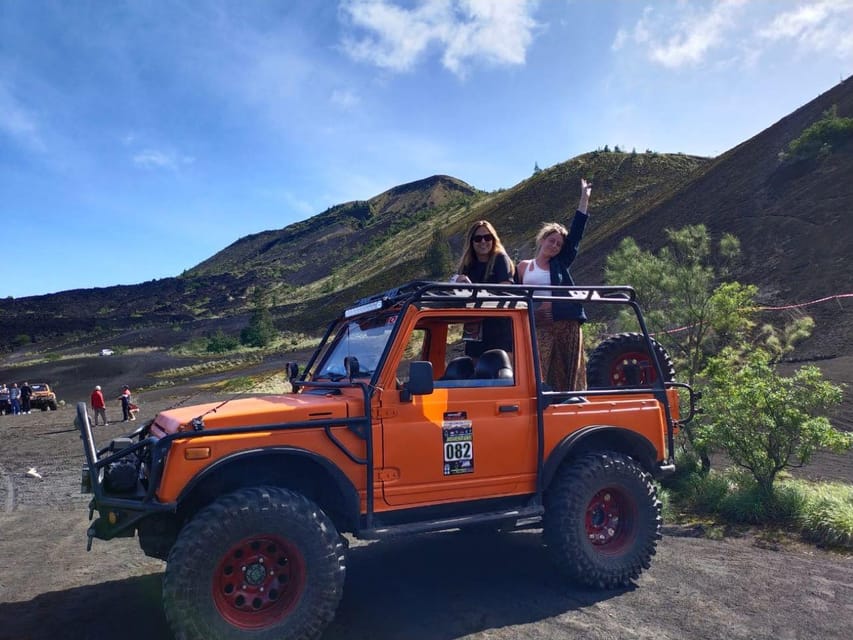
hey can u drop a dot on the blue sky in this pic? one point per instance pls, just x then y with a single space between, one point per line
138 138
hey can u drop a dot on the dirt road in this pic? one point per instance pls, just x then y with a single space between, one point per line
436 586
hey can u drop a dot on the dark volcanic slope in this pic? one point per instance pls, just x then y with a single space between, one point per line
793 221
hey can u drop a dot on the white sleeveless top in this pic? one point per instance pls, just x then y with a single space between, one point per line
535 274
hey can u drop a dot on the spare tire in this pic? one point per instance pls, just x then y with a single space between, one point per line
623 360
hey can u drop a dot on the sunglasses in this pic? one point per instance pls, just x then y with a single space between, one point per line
486 237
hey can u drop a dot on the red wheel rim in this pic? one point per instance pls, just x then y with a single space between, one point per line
610 517
258 581
627 364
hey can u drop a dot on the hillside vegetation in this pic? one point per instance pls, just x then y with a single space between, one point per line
789 211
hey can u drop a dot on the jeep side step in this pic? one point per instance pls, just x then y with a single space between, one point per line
441 524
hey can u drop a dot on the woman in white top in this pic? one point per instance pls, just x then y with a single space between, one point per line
558 325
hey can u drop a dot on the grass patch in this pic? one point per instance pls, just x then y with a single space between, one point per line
826 516
821 513
287 341
263 384
209 366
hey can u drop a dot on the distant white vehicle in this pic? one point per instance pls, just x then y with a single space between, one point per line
106 352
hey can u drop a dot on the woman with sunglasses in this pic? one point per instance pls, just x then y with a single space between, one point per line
558 324
485 261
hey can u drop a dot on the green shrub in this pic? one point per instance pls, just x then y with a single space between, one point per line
766 422
220 342
820 138
751 504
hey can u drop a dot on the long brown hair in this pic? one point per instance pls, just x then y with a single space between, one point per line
468 256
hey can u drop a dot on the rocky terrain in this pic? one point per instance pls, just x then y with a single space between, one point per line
439 586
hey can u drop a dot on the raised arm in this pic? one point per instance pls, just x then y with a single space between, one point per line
586 190
570 247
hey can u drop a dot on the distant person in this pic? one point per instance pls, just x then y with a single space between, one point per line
99 405
125 404
485 261
558 324
15 399
5 405
26 394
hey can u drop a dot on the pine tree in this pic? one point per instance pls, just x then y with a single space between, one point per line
437 258
260 330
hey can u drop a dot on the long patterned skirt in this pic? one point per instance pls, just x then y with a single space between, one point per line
562 356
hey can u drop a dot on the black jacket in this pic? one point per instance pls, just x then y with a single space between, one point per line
560 274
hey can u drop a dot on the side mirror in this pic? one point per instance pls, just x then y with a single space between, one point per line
420 380
291 370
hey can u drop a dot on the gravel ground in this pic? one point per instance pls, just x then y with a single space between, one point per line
435 586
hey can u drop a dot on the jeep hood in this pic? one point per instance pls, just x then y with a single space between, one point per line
261 411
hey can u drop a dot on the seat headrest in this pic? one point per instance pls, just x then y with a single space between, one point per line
494 364
461 368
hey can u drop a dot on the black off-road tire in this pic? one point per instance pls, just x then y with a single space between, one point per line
262 563
602 520
624 360
157 535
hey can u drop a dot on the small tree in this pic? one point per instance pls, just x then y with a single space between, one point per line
260 330
437 258
765 422
536 168
690 308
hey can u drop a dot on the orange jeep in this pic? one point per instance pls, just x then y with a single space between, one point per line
392 430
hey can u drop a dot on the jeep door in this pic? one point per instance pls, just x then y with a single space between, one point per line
472 437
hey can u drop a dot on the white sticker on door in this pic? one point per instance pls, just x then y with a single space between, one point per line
458 440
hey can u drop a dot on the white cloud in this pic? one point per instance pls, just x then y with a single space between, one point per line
681 35
155 159
818 26
496 31
17 122
345 98
696 36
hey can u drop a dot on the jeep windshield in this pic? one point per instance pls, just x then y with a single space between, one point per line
356 348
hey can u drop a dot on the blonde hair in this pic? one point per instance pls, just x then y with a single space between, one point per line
547 229
468 256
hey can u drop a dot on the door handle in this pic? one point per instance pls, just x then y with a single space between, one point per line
507 408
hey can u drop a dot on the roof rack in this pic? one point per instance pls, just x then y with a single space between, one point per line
429 293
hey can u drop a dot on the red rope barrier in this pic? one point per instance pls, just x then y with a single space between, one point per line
788 306
806 304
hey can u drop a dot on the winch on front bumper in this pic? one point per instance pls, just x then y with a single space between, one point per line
117 476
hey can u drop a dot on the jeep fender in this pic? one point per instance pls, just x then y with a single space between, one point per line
601 438
315 476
